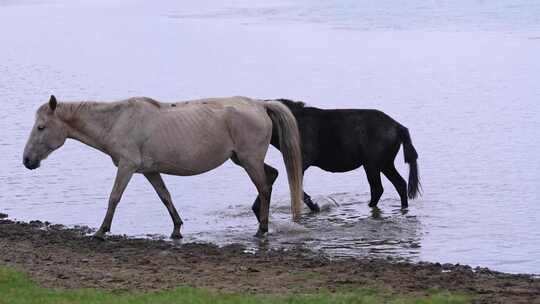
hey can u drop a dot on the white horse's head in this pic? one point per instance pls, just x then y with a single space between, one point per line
48 134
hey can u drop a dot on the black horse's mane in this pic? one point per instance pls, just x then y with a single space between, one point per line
292 104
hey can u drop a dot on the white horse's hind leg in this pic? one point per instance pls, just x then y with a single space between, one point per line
258 177
271 176
158 184
251 131
123 176
255 170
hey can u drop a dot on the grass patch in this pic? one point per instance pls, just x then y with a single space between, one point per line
16 288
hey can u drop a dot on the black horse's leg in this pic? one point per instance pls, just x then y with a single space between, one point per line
374 179
314 207
307 199
271 176
399 183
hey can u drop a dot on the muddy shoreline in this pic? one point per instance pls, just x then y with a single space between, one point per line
58 257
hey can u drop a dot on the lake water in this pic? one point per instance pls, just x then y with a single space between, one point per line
463 76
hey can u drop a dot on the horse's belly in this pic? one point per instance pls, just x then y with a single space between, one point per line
184 161
338 168
339 162
192 169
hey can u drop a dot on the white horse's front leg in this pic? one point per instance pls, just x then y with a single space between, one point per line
123 176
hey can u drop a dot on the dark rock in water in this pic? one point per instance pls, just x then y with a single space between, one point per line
3 215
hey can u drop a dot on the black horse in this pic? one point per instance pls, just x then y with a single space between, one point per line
342 140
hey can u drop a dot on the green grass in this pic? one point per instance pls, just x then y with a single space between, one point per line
16 288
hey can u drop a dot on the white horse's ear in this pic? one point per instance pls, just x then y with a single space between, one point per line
52 102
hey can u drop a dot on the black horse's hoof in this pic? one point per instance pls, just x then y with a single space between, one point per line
315 208
373 205
376 213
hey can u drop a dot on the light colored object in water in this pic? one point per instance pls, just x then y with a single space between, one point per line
187 138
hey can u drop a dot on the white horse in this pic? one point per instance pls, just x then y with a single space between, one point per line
144 136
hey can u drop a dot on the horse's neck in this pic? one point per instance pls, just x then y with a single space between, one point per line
89 123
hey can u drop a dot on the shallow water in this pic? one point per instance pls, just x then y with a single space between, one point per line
462 76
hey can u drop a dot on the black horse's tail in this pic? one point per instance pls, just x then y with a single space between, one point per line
410 155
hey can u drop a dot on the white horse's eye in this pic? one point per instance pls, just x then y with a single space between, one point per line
40 128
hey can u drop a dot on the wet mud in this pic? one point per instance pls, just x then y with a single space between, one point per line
60 257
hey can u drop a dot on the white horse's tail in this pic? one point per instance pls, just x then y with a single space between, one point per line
289 143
